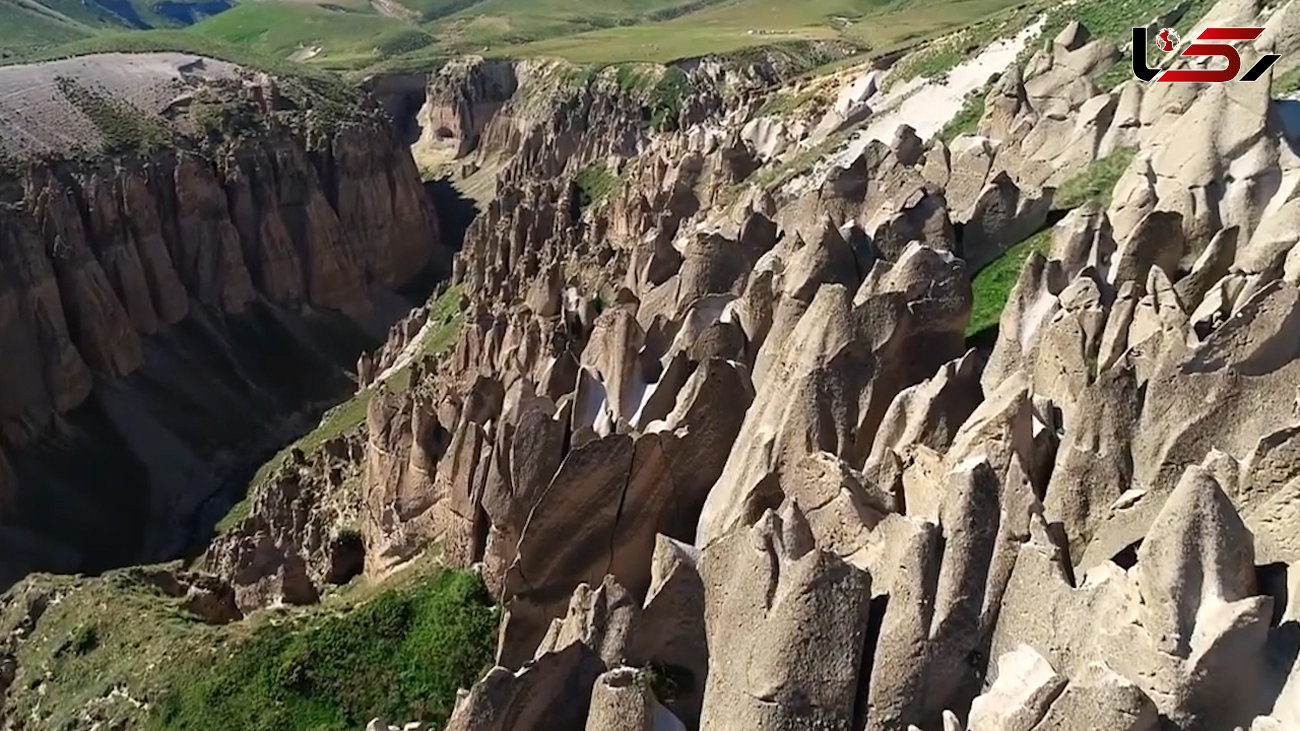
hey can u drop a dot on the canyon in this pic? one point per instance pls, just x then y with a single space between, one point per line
169 315
746 412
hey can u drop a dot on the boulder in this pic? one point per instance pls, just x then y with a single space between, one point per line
1026 687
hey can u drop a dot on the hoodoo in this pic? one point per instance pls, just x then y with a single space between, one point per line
943 386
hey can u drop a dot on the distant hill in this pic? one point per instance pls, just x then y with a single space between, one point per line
33 25
362 36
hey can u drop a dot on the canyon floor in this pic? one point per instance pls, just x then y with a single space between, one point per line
648 373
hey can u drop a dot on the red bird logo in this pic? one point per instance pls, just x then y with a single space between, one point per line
1167 39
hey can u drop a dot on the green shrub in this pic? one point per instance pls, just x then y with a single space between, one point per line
667 96
226 120
401 655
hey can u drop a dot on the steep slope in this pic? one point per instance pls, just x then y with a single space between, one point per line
27 26
224 245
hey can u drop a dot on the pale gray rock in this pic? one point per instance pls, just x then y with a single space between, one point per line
1098 697
931 412
622 700
552 693
786 627
1026 687
602 619
1002 215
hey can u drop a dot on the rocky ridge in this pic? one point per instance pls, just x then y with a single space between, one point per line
763 470
724 453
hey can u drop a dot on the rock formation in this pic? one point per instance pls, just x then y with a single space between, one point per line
718 442
218 260
892 532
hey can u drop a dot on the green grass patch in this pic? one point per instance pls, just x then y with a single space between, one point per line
338 36
179 41
418 35
669 91
1287 83
1117 74
725 28
116 652
813 101
445 322
594 184
402 655
398 42
1096 183
26 27
968 117
992 286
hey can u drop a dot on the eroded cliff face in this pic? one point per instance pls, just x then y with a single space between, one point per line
176 309
536 119
734 432
714 434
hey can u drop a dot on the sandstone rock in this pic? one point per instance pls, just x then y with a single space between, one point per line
1029 305
972 158
931 412
670 633
1190 593
1019 699
552 693
897 687
1001 216
821 351
758 583
1200 535
622 701
613 353
1094 461
698 435
602 619
1099 697
840 505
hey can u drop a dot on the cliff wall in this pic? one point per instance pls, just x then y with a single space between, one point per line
172 310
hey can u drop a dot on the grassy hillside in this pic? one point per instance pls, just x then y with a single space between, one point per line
28 26
718 27
367 35
335 35
116 652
